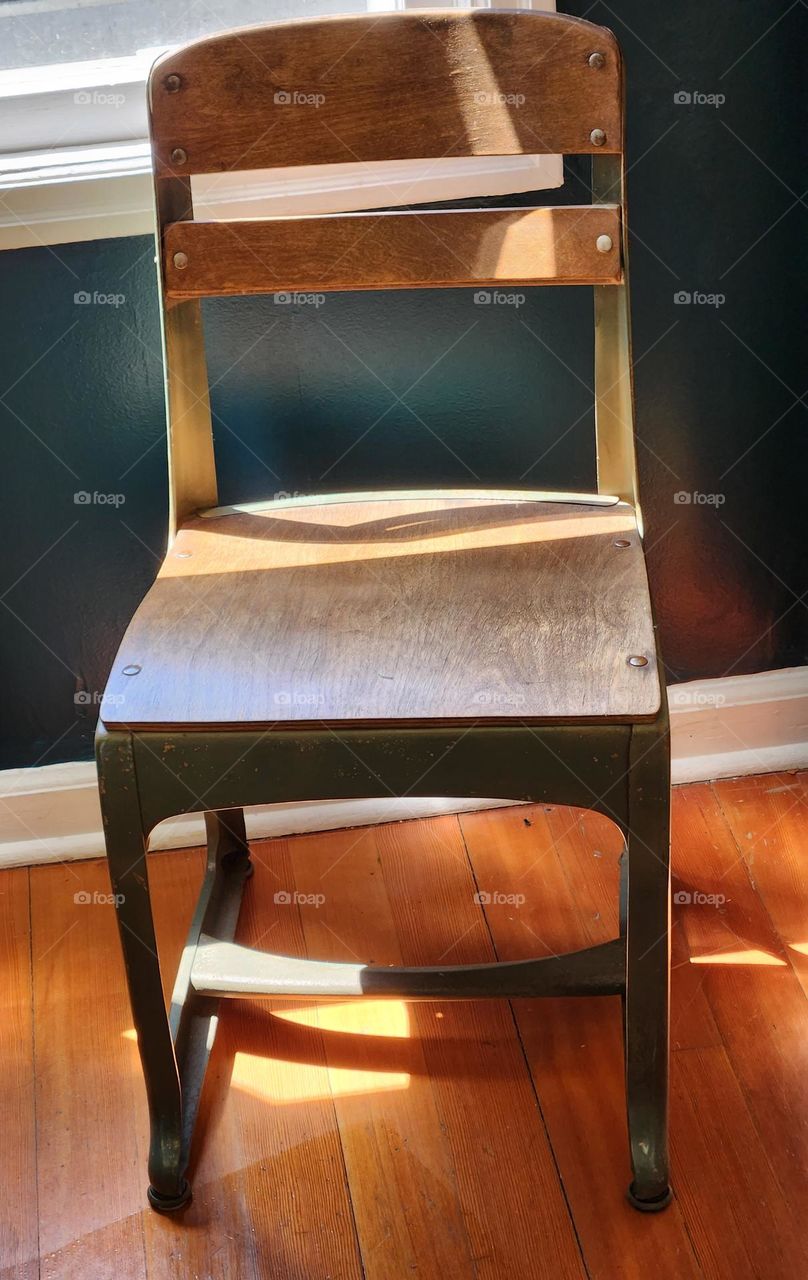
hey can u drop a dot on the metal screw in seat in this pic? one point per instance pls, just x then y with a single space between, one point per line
603 244
597 137
637 660
596 60
132 670
622 542
178 156
180 260
173 83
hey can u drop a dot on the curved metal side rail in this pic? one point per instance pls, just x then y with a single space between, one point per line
227 969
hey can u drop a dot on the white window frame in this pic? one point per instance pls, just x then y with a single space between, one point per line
71 172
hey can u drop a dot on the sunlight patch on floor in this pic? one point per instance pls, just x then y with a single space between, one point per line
750 956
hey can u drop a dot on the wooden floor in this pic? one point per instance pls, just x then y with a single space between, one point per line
390 1141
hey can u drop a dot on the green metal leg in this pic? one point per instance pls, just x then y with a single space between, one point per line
126 852
623 925
623 892
648 966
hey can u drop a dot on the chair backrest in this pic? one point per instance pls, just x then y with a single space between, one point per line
423 84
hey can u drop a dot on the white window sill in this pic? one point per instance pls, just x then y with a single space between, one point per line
100 192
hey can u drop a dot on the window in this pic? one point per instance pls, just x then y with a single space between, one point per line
40 33
74 156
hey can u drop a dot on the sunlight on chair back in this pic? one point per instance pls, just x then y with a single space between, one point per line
395 87
398 86
387 87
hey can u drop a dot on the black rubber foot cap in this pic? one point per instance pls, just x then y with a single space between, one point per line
170 1204
238 863
650 1206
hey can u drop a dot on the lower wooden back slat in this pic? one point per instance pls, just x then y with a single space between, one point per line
495 247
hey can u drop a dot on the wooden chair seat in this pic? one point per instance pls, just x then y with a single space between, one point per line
391 608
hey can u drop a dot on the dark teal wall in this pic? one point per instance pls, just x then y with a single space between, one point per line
507 401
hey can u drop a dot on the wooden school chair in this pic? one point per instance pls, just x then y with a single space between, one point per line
465 643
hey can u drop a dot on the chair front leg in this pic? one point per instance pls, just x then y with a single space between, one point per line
126 853
648 965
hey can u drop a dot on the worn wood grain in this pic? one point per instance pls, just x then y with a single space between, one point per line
413 1130
89 1095
574 1047
462 1122
768 816
266 1163
19 1244
750 987
390 1126
297 1188
386 87
723 1016
443 249
393 611
727 1187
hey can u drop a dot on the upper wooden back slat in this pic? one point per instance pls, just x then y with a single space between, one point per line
395 86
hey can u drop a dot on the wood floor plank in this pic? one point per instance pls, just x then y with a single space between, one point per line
296 1192
769 820
756 999
400 1164
724 1042
505 1167
88 1087
729 1195
266 1164
592 846
377 1140
574 1046
19 1246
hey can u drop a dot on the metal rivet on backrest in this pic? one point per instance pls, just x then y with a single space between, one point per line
597 137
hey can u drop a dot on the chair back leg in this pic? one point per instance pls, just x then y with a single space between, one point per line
648 964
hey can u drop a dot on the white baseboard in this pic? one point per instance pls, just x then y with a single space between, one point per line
719 728
52 814
737 725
